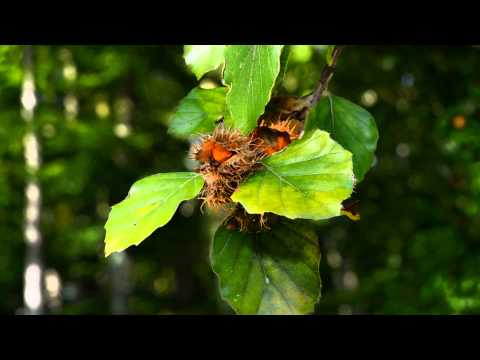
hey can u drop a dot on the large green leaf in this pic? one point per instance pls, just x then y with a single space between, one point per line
150 204
351 125
273 272
250 71
198 111
309 179
203 58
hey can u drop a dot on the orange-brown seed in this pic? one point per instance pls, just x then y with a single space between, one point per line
205 151
220 154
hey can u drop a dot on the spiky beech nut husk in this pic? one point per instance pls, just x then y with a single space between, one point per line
275 134
227 157
285 106
293 127
242 221
271 141
282 122
288 104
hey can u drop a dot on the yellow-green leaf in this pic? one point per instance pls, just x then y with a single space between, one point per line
150 204
309 179
351 125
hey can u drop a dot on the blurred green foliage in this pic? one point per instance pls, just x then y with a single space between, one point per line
101 120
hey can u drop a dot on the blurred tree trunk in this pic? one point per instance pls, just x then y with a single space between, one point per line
120 276
33 275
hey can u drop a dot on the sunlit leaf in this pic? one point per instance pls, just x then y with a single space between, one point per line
250 71
203 58
150 204
351 126
198 111
309 179
272 272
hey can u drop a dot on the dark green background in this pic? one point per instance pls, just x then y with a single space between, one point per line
415 250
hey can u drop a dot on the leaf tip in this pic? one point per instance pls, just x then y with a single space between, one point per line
107 252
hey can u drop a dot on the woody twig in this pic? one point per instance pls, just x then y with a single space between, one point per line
325 78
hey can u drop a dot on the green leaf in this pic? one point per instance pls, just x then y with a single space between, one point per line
150 204
198 111
309 179
351 126
273 272
250 71
203 58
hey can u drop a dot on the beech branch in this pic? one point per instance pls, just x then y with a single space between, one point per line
325 78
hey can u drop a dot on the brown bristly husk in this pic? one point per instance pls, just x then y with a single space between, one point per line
223 177
228 157
285 114
291 126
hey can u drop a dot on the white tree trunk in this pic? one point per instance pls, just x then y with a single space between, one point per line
33 276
